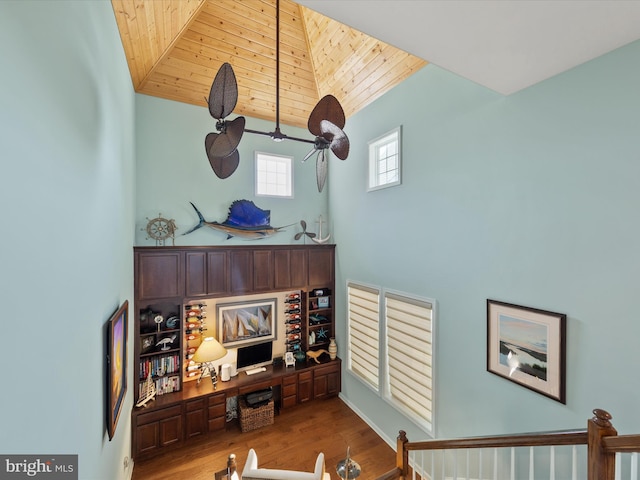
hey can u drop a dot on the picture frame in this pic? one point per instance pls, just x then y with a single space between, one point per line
243 323
117 333
323 302
528 347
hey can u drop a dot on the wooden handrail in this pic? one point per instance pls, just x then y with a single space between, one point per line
560 437
622 443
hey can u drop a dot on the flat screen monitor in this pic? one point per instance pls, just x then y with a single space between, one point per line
255 355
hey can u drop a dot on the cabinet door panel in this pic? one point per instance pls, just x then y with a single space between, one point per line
299 268
241 271
159 275
263 270
195 423
320 267
147 438
217 273
320 387
196 273
305 387
170 431
282 269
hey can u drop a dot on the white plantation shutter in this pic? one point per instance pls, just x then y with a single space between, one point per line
409 336
363 332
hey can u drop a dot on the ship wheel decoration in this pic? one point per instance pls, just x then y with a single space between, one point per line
160 229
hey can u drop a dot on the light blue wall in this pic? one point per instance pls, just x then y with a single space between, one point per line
530 199
173 170
67 169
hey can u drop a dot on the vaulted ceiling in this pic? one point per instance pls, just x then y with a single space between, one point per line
175 47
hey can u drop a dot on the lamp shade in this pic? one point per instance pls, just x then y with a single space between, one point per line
209 350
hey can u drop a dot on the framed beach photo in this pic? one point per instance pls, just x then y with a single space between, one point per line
116 365
323 302
246 322
527 346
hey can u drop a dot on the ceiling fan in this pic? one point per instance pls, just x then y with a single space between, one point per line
326 122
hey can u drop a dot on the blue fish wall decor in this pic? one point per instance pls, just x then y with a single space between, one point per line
245 220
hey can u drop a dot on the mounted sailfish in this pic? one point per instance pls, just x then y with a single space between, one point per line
245 220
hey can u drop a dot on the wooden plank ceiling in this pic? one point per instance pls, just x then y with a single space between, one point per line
175 47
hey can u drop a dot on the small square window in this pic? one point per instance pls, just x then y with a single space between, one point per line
274 175
385 160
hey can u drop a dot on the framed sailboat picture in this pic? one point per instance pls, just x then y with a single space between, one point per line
527 346
246 322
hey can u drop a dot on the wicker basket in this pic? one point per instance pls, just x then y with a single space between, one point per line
252 418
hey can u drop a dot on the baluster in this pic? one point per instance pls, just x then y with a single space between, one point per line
618 470
495 464
531 475
552 461
574 463
433 464
634 466
468 462
480 460
455 464
513 464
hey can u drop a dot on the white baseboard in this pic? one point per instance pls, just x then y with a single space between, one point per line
129 472
392 442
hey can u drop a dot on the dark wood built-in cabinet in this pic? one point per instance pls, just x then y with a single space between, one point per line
169 280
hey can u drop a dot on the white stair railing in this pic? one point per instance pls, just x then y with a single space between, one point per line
510 463
596 453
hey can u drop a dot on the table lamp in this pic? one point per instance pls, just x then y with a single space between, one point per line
348 469
208 352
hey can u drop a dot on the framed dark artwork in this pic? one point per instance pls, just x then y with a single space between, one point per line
246 322
116 365
527 346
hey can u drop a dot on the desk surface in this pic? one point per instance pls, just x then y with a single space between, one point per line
238 385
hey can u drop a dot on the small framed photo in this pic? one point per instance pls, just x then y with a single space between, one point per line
527 346
323 302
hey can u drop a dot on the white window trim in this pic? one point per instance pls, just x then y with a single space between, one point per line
290 174
372 183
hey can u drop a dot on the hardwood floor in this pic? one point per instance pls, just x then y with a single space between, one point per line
292 443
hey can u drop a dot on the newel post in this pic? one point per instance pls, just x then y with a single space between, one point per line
602 464
402 455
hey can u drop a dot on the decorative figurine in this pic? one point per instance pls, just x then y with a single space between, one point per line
318 238
166 342
316 353
160 229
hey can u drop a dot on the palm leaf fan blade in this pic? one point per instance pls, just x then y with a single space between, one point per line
228 140
328 108
321 170
338 140
224 167
224 93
